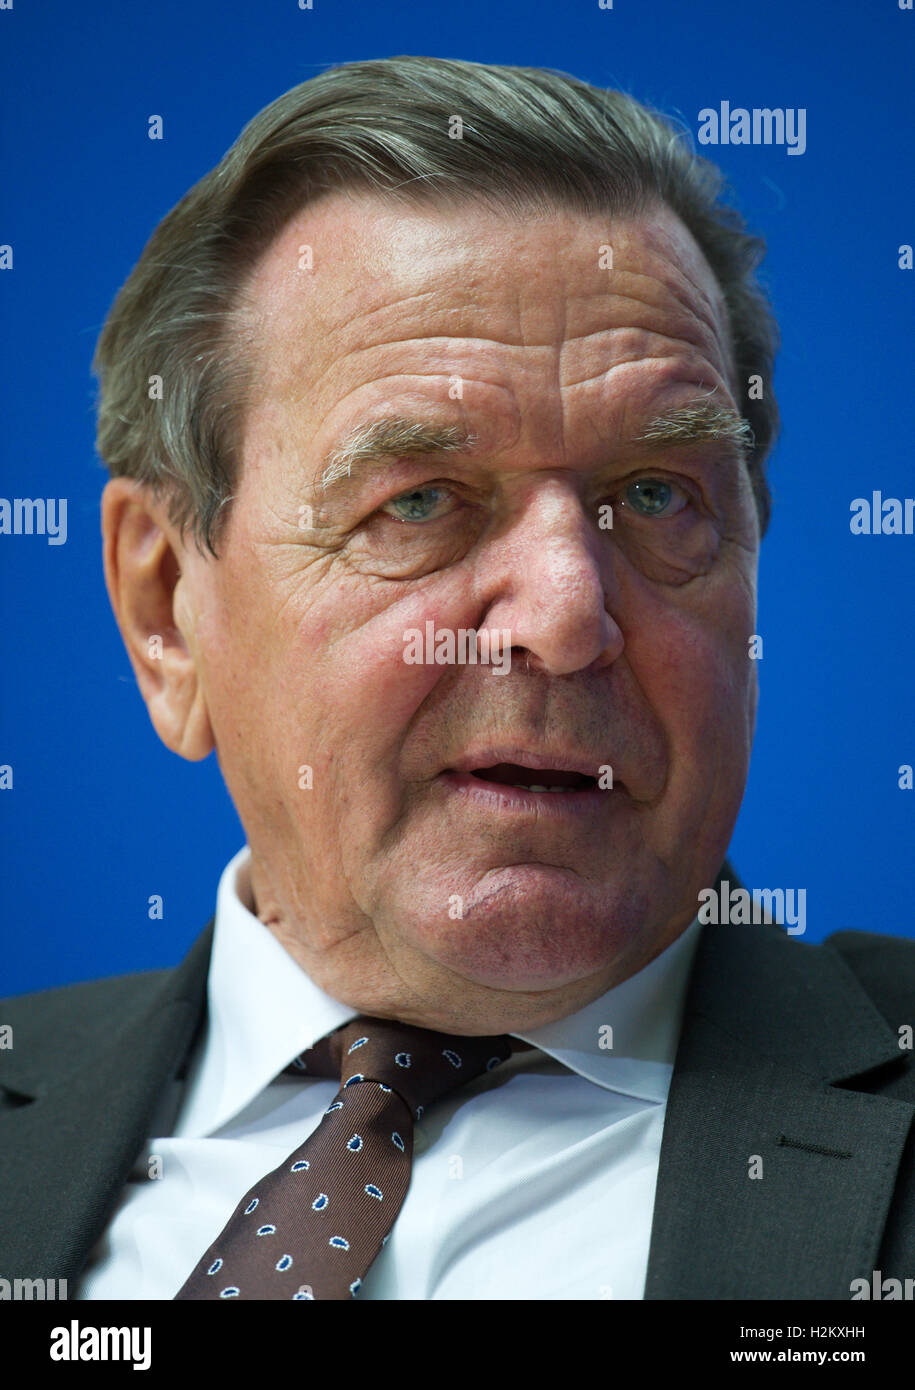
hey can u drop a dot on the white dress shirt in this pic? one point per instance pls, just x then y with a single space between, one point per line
536 1181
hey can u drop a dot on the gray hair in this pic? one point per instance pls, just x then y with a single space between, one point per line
531 139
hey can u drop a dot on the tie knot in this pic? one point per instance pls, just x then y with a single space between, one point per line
420 1065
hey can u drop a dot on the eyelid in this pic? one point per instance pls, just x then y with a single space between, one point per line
454 490
654 475
660 476
434 484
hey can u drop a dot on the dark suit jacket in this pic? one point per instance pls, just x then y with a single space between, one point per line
788 1051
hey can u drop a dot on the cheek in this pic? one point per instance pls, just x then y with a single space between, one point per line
356 668
229 665
255 687
698 676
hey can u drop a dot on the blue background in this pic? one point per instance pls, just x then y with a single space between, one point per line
101 814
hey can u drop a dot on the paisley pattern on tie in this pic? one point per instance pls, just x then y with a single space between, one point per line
311 1229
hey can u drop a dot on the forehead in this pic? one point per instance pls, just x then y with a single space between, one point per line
358 289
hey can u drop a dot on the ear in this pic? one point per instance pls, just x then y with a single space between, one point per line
143 558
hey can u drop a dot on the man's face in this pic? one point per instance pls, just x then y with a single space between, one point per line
403 884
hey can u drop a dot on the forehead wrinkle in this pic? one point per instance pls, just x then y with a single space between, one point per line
445 274
469 304
709 298
675 255
651 348
704 313
707 315
666 244
348 320
624 406
411 370
450 342
676 251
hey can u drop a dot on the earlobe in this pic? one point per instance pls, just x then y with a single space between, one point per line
143 574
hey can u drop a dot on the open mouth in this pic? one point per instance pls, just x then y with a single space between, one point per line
531 779
549 794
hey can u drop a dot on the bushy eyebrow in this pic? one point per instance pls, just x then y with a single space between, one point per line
394 436
398 436
698 422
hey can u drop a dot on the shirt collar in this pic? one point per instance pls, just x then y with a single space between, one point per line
263 1010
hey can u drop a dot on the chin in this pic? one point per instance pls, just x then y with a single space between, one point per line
536 928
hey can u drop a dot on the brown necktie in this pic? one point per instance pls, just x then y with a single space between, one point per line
312 1227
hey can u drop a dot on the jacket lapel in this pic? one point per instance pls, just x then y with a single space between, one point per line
75 1123
773 1183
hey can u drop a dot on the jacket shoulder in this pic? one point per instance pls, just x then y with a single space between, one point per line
894 951
67 1021
884 967
86 994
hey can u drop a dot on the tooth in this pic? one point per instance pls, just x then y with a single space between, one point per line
536 787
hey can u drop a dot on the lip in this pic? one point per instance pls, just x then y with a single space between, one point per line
502 797
570 761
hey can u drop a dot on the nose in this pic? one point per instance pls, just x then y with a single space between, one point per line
556 581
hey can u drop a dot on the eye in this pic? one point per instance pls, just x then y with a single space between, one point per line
418 504
654 497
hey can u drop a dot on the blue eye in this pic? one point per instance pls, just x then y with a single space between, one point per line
413 503
651 497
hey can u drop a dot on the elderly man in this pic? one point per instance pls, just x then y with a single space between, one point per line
437 417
